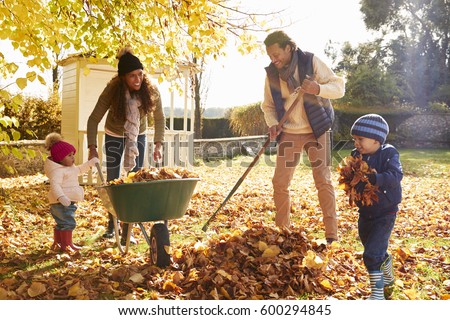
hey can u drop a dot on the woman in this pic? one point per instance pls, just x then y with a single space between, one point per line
129 97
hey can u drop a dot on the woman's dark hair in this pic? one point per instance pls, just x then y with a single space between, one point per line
280 38
148 95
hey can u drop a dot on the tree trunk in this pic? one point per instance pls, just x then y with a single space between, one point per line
196 80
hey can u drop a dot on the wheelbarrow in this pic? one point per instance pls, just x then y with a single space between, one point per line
153 201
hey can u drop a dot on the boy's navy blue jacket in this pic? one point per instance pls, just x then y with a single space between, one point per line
386 161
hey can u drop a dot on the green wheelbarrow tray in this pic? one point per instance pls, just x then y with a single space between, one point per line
139 202
148 201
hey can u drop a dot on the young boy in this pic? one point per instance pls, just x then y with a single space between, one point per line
65 190
376 222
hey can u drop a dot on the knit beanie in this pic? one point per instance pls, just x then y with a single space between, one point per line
371 126
128 62
58 148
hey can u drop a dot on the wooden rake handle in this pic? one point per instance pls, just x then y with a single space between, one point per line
298 94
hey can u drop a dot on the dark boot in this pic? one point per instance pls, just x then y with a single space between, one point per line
66 237
56 245
109 233
123 239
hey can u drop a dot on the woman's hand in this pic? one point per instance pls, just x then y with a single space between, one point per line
92 152
157 155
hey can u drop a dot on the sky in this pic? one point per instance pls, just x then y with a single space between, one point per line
237 80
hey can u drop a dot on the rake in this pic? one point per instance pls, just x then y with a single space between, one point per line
295 96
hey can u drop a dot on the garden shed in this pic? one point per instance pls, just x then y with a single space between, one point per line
83 80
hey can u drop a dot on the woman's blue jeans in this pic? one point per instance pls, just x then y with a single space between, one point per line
114 147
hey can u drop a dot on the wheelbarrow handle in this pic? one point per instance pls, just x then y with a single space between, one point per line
122 249
100 173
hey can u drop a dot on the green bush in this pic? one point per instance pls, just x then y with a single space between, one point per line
216 128
37 117
439 107
248 120
211 128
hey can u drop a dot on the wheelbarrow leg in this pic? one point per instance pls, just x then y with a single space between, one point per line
116 232
147 238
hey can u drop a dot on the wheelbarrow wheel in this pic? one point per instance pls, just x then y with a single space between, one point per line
159 243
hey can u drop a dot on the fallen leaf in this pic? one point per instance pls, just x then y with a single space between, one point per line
404 253
178 277
225 274
313 261
3 294
446 284
326 284
137 278
214 294
36 289
262 246
76 290
411 294
271 251
399 283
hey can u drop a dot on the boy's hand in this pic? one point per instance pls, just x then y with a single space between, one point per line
372 177
359 187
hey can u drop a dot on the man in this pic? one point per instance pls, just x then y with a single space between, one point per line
305 128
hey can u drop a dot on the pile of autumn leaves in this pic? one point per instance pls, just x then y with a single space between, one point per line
155 174
258 263
352 171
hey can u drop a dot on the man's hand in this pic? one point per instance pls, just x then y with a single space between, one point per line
273 133
310 86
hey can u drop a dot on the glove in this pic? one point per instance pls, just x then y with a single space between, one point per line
93 161
359 187
64 201
372 177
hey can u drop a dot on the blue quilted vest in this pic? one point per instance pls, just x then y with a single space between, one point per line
319 111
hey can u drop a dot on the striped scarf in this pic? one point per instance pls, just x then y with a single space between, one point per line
287 73
131 127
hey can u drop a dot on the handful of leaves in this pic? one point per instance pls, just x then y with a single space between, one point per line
152 174
353 170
